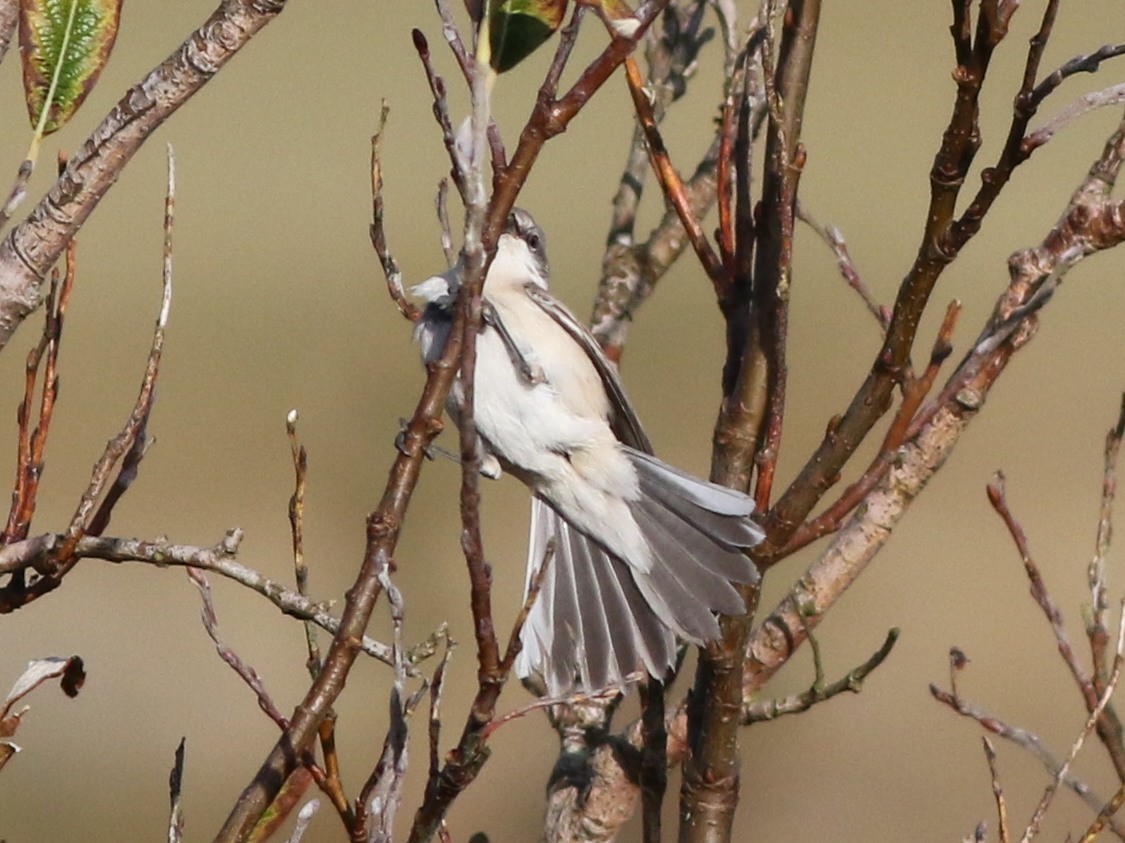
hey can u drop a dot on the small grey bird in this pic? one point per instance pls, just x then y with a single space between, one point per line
643 553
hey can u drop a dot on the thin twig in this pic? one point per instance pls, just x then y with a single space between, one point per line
381 795
754 711
378 232
1087 729
834 238
175 787
36 553
670 182
1096 573
1105 816
997 790
441 204
245 672
1113 95
1024 739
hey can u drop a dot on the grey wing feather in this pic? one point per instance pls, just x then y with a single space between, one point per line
625 423
562 643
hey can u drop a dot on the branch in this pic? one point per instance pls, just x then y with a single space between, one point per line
1087 729
942 239
997 791
32 247
1109 726
750 416
1096 574
36 553
1024 739
754 711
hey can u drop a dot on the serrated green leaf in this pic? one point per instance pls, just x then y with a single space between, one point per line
64 44
516 28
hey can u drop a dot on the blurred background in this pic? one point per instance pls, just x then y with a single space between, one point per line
279 304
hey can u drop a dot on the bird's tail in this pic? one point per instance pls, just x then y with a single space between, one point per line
598 619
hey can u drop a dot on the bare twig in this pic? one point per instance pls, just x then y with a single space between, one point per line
330 783
381 795
1024 739
1104 817
245 672
31 444
1091 723
297 530
35 553
175 785
1113 95
1086 63
378 233
437 685
1109 725
834 238
441 110
90 517
670 182
997 790
441 204
1096 573
754 711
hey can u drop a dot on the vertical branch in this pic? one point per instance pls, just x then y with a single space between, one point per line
709 792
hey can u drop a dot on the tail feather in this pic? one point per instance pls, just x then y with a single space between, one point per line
691 557
591 622
707 507
590 628
598 618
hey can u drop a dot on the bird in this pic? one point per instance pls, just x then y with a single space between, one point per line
638 554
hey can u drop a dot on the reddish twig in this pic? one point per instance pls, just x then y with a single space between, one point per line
245 672
31 444
378 232
670 182
441 109
942 239
1109 725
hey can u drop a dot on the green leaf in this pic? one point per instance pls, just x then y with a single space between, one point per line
64 44
516 28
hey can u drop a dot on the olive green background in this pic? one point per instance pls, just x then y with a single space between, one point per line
279 304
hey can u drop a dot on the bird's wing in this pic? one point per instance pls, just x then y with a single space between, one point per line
624 421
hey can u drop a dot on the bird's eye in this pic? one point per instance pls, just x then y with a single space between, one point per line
534 241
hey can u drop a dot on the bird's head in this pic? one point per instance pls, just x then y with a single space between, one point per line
521 254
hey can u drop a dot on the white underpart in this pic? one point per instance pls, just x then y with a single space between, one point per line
556 432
